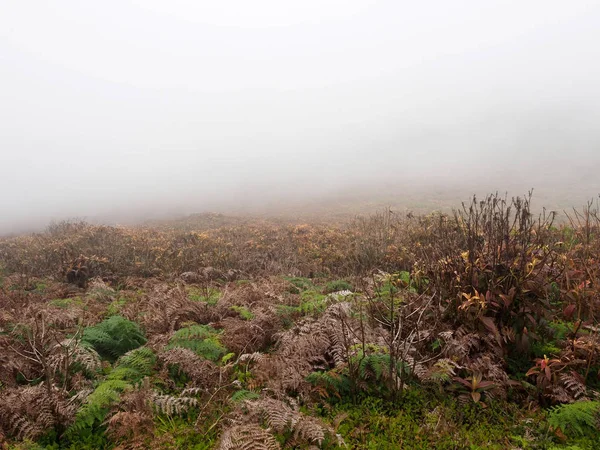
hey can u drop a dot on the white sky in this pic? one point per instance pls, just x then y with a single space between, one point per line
116 104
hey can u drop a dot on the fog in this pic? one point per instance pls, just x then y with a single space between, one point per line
122 110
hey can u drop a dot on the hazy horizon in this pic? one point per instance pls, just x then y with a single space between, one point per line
131 109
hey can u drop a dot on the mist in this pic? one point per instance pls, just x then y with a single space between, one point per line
128 110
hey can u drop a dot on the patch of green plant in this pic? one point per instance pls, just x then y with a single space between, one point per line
66 303
243 395
180 433
561 329
87 440
539 349
578 419
387 289
554 294
581 445
371 376
518 363
97 405
129 370
140 360
288 314
422 421
371 425
115 307
39 287
208 295
393 283
334 385
228 357
194 332
202 339
338 285
312 302
114 337
44 443
244 312
299 284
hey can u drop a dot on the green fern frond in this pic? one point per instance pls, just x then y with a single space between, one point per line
131 368
244 312
243 395
96 337
142 360
201 339
97 405
211 349
374 366
578 418
124 374
335 383
113 337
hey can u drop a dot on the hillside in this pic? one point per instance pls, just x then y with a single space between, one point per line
468 329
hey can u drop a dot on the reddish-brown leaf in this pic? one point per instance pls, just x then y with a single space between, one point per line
569 310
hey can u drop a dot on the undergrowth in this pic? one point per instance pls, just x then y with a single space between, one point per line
472 330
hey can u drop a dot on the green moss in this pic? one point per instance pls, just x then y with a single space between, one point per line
421 421
539 349
180 432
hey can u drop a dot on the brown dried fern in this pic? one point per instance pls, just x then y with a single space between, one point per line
247 437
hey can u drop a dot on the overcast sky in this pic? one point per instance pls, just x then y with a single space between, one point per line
117 105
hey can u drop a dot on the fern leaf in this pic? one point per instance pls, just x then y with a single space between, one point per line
243 395
576 418
247 437
170 405
114 336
